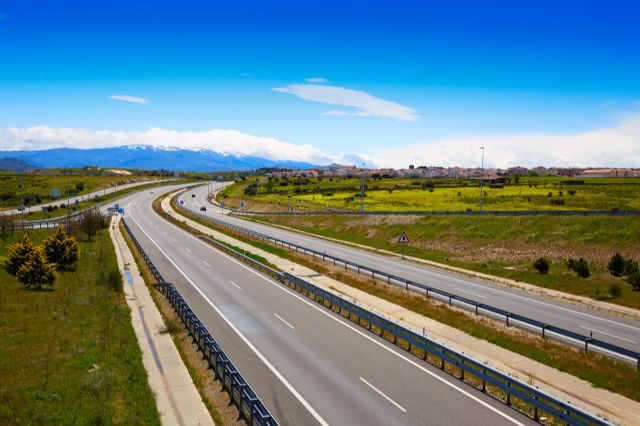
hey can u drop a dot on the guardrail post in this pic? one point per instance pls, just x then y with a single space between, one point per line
507 318
484 382
462 369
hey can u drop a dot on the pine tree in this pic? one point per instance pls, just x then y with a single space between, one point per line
37 272
19 253
616 265
61 249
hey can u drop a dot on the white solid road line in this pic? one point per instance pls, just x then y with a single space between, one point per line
471 293
235 285
174 240
187 250
255 350
383 395
349 326
209 266
607 334
282 319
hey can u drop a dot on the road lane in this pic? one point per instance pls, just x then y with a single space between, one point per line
608 327
322 358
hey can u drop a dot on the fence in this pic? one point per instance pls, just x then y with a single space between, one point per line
453 213
511 319
249 405
513 392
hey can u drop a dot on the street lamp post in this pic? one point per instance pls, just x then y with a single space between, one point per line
481 176
68 200
362 190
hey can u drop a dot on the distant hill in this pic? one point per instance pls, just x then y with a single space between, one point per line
147 157
14 164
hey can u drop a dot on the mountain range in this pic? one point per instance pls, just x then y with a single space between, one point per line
141 157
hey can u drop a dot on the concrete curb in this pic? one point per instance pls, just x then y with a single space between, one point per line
177 398
618 408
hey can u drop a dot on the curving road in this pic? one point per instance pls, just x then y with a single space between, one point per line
610 328
306 363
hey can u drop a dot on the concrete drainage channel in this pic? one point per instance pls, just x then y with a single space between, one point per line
511 319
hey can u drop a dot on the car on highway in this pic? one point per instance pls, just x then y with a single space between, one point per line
203 209
193 195
153 192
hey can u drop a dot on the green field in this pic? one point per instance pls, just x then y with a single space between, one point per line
529 193
70 356
37 187
500 246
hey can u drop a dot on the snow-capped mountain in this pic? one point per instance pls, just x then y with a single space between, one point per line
147 157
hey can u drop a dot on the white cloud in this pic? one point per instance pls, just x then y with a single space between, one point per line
618 145
365 104
317 80
218 140
127 98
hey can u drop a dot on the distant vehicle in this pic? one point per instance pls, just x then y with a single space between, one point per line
193 195
153 192
203 209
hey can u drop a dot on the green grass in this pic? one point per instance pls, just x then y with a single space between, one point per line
62 211
530 193
37 187
501 246
51 340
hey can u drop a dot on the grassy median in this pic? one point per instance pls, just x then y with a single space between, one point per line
69 355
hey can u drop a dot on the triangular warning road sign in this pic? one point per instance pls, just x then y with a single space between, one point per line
403 238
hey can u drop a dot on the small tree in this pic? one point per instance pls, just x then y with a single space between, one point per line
91 222
616 265
542 265
630 267
7 224
634 280
582 268
61 249
19 253
37 271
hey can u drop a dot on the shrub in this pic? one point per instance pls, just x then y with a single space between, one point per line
37 271
630 267
615 290
580 267
616 265
19 253
91 221
557 201
634 280
542 265
572 192
61 249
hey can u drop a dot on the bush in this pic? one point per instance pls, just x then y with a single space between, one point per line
542 265
19 254
37 271
557 201
634 280
615 290
61 249
616 265
580 267
630 267
92 221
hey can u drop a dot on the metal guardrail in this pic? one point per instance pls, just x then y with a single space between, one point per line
509 390
511 319
249 404
452 213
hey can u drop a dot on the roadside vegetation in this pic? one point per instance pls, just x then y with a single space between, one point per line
396 194
68 353
600 371
506 247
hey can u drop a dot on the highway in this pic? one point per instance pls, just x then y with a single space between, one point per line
89 196
619 331
306 363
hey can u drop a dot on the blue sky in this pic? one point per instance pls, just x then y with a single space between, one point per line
397 82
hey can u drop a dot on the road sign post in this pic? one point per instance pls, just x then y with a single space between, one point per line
404 240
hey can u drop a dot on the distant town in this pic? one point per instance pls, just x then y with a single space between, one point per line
459 172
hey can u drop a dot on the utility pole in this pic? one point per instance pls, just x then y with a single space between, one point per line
68 206
481 176
362 190
22 189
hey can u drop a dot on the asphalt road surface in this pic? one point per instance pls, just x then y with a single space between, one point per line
607 327
306 363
